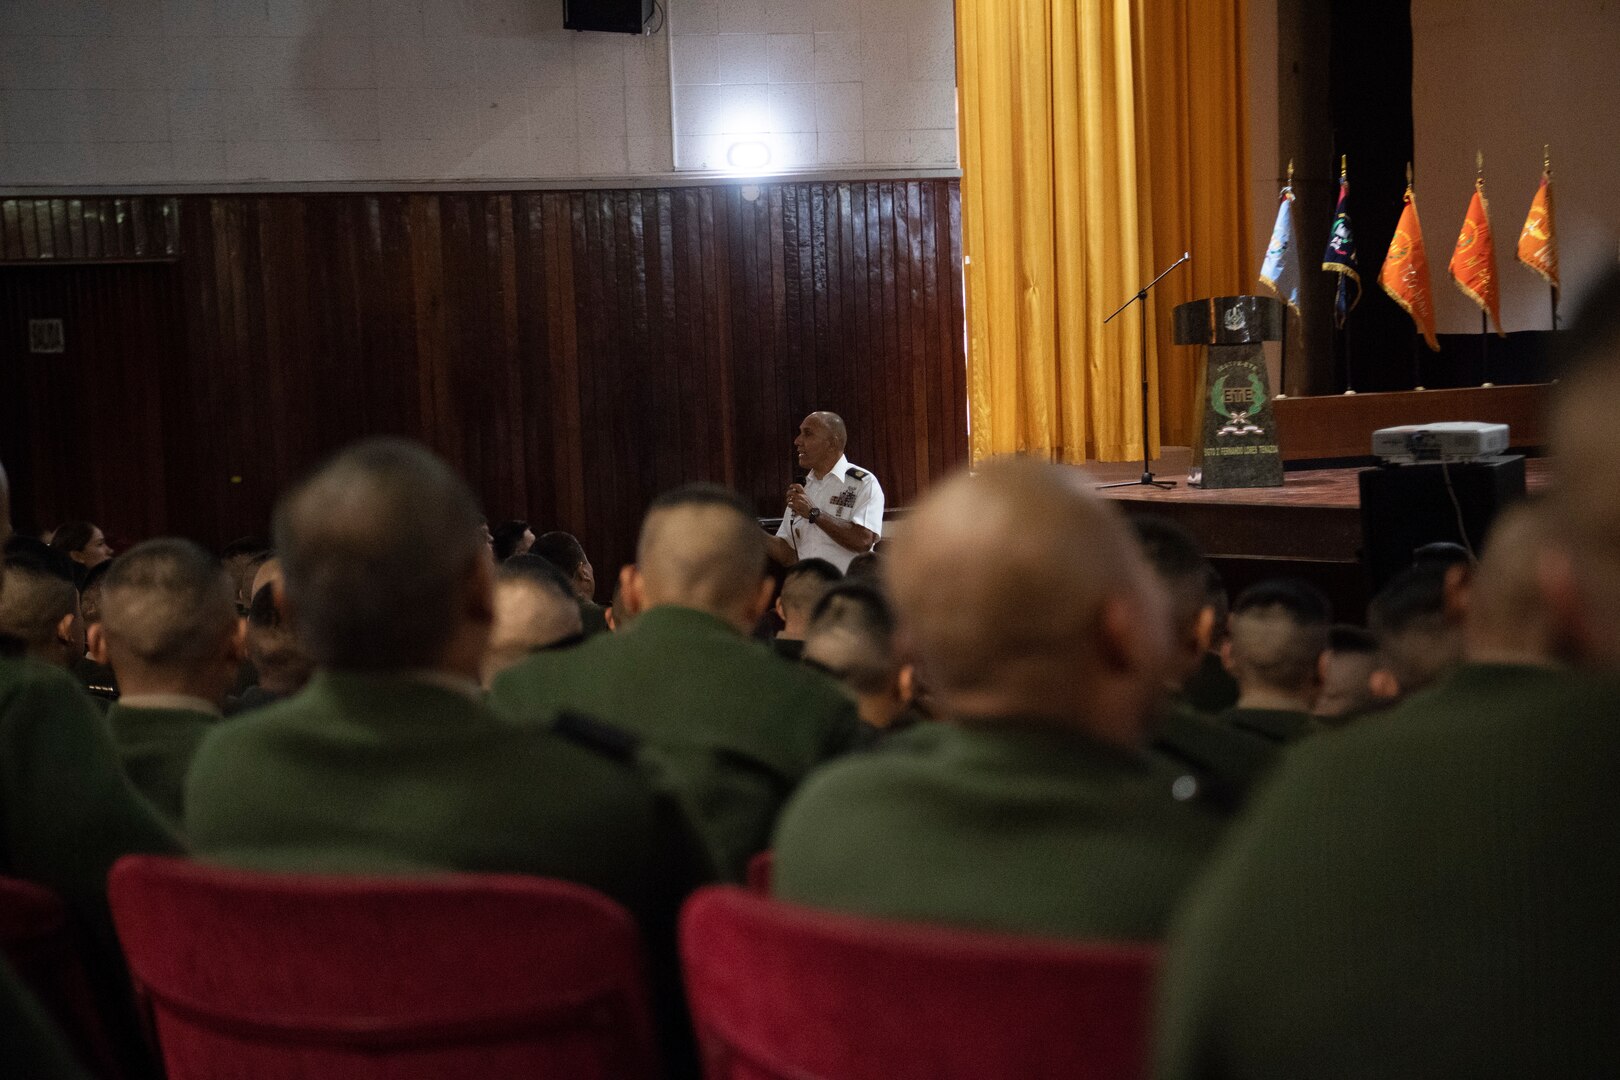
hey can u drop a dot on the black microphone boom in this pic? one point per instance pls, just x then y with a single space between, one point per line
1141 296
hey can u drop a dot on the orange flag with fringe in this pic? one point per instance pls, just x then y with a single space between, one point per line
1405 275
1538 243
1473 263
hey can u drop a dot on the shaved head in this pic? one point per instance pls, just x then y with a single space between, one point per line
835 426
533 609
701 548
40 606
167 604
1276 636
1022 593
383 555
1507 619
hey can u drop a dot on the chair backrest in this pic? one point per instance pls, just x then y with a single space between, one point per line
42 946
759 872
779 991
299 976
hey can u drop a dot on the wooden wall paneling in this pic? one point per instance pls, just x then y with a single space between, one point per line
573 353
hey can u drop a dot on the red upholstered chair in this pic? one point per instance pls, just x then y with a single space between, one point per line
43 948
295 977
781 992
759 873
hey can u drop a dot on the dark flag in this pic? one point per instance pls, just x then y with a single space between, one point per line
1340 256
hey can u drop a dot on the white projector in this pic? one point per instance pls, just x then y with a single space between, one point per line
1458 440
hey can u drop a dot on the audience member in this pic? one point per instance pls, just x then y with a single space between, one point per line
1430 892
92 670
1224 762
564 552
40 608
1276 637
1211 688
1417 621
535 609
82 542
850 636
68 809
389 759
282 665
169 631
241 559
619 613
736 728
803 585
1348 668
511 538
867 566
1034 809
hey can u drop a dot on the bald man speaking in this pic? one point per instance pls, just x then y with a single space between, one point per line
837 513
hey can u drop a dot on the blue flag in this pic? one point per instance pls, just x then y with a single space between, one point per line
1280 272
1341 259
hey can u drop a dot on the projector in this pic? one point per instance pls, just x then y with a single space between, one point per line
1459 440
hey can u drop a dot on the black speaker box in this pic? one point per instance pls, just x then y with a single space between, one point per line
1404 507
612 16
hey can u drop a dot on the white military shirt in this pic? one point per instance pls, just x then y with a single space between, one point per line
845 492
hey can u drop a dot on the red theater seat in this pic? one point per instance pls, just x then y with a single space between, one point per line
780 992
42 947
294 977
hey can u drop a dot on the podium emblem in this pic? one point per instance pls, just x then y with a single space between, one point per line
1237 405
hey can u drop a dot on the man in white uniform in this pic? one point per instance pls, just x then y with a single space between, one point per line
837 512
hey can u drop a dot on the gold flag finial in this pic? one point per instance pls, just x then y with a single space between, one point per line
1344 167
1409 178
1479 169
1290 172
1546 159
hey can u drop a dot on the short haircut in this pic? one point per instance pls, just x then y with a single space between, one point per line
37 596
527 567
90 591
1279 629
245 545
867 566
377 546
703 544
805 582
73 536
851 637
1408 617
1344 638
168 602
1179 564
562 550
505 538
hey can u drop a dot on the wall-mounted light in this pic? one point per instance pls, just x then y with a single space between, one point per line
750 156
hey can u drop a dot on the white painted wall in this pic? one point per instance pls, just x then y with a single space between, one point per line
217 92
1506 78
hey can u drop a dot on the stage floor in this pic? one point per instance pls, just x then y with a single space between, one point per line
1315 516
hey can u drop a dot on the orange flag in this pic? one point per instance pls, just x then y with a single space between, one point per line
1473 263
1538 243
1405 275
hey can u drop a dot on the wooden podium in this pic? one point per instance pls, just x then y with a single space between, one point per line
1239 446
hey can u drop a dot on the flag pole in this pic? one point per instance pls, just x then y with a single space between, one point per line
1282 361
1417 362
1546 169
1484 319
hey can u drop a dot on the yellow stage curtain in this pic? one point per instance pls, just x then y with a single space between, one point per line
1064 171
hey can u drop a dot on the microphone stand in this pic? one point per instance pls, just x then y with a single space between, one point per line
1147 476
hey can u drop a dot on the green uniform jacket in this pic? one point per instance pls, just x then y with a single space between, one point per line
1225 760
369 773
156 747
1004 828
1431 892
735 728
32 1046
67 813
1280 727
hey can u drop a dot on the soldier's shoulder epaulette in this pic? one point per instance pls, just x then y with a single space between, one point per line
856 474
611 740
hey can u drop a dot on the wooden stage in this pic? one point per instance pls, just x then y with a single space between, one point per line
1311 526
